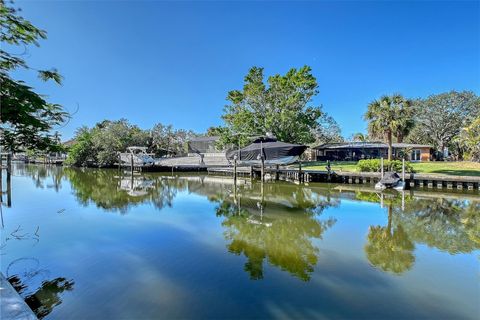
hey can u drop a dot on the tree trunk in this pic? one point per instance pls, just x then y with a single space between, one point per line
400 138
389 140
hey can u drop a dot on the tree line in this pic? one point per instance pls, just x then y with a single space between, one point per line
449 120
101 144
280 105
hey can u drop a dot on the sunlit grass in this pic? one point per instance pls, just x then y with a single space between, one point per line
461 168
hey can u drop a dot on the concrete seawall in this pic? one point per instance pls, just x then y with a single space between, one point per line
12 306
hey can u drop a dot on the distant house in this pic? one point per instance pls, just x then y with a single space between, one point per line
354 151
206 146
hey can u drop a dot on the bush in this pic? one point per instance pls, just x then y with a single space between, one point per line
373 165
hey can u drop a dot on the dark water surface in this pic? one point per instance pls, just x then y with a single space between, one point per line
91 244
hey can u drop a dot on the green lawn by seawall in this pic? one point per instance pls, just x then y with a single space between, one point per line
461 168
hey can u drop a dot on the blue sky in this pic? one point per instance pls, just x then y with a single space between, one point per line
174 62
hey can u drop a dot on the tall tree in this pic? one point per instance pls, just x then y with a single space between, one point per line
167 140
441 117
26 116
469 138
101 144
282 106
328 130
388 116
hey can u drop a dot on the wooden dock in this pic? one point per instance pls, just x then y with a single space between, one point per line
412 179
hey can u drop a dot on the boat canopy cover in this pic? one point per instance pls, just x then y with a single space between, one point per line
271 148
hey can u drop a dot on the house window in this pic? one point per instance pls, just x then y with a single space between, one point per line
416 155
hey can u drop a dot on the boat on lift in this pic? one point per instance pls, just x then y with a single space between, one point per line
268 149
139 155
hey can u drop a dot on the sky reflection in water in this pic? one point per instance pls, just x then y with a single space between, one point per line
93 244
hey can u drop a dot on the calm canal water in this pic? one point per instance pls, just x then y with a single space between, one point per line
90 244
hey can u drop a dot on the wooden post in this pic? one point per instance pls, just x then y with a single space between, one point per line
263 162
235 170
252 173
9 189
299 170
131 164
263 169
381 167
9 164
329 170
277 167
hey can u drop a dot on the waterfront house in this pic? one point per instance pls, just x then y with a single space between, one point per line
205 146
354 151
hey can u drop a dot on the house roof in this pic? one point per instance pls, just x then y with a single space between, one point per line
410 145
369 145
204 139
69 143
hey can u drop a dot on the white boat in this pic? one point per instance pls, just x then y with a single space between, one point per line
139 156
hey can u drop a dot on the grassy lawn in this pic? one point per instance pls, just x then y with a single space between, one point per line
462 168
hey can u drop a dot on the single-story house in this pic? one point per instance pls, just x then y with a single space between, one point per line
206 146
354 151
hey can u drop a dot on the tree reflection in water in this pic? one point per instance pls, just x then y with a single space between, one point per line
110 190
40 175
448 224
278 222
278 228
44 298
389 248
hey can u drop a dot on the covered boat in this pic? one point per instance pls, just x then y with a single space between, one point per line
273 152
390 180
139 155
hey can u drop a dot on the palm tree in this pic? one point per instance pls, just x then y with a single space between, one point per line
389 116
389 248
361 137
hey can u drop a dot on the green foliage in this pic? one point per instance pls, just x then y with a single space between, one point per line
451 226
101 144
388 117
169 141
374 165
82 150
470 139
440 119
361 137
328 130
390 250
26 117
281 107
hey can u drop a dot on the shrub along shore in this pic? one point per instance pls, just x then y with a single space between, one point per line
461 168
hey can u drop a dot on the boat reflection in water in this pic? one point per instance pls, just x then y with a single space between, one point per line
136 186
172 244
279 227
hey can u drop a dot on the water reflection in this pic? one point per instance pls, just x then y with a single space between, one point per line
390 248
275 223
41 298
110 190
43 176
304 250
449 225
